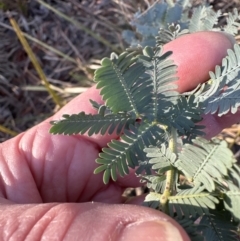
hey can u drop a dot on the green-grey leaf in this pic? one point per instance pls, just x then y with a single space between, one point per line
231 201
92 124
182 116
106 176
222 95
160 157
129 152
232 22
217 226
118 78
190 227
184 200
100 169
203 19
205 161
162 74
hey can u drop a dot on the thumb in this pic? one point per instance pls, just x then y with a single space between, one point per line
87 221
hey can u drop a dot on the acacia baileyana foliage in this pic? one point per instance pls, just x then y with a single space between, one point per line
190 19
194 180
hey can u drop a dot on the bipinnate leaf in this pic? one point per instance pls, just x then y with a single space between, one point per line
125 153
183 116
152 200
161 15
161 73
156 182
167 35
186 203
203 19
193 180
205 161
190 19
147 24
234 175
190 227
233 24
217 226
121 84
231 200
222 93
190 202
160 158
92 124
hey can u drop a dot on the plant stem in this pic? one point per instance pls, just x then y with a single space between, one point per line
169 174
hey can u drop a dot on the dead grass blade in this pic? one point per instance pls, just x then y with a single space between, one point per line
81 26
42 44
34 61
8 131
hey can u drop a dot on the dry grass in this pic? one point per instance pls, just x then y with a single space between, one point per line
24 101
67 53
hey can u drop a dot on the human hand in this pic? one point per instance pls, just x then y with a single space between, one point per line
48 189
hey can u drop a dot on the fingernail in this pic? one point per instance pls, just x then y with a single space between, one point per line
151 230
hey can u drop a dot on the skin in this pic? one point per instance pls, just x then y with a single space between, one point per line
47 187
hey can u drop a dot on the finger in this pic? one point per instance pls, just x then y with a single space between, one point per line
200 53
197 54
59 168
215 124
35 169
89 221
80 103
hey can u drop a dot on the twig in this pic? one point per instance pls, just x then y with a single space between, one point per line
69 90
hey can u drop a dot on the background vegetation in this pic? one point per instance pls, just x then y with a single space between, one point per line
68 51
